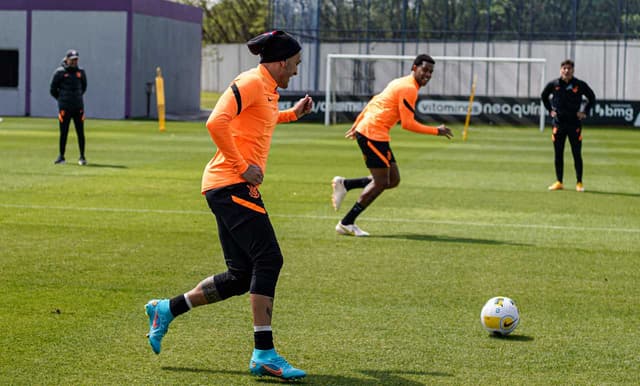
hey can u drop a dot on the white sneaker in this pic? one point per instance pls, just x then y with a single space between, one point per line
350 230
339 191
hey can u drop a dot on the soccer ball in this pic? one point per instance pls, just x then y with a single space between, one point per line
500 315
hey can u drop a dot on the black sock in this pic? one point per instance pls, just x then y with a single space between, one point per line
350 218
178 305
263 340
356 183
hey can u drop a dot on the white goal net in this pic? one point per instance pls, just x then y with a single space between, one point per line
497 77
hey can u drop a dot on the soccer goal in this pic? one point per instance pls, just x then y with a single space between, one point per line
364 74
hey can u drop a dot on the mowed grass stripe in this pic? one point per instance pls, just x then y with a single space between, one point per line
317 217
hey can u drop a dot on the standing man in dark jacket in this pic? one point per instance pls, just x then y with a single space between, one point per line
68 85
567 111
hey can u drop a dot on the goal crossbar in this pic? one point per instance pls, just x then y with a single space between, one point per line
486 59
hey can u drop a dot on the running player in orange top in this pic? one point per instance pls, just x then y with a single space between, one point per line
396 103
241 125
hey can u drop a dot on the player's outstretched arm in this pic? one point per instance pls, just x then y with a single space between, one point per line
303 106
351 133
444 131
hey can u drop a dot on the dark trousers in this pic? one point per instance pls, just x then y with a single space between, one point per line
64 118
559 137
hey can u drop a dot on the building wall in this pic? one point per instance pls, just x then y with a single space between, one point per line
102 55
120 42
13 26
174 46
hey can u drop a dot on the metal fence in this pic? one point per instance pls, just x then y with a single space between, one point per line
603 38
406 21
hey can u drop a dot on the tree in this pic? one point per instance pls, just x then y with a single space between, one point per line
408 20
231 21
235 21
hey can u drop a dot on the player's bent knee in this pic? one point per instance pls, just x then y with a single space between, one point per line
379 186
264 283
232 283
265 275
265 286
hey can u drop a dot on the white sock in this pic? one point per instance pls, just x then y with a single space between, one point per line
261 328
186 298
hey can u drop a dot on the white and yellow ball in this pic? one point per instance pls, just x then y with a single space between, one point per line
500 315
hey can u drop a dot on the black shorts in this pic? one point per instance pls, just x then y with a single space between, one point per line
236 204
377 154
248 240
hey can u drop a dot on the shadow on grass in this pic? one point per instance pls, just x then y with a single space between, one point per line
612 193
380 377
512 338
92 165
396 377
448 239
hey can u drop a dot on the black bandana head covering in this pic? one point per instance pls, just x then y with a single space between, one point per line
274 46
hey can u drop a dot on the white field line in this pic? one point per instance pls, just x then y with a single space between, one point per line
318 217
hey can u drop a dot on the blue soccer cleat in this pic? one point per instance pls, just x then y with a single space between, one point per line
268 362
159 318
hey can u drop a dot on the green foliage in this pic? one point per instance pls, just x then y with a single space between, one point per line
632 24
231 21
83 248
236 21
403 20
208 99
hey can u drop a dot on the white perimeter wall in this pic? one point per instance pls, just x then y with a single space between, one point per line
612 68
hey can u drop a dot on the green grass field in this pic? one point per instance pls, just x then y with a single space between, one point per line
82 249
208 99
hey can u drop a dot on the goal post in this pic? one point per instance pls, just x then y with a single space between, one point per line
332 59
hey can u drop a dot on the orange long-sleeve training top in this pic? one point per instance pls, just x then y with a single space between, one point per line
241 125
395 103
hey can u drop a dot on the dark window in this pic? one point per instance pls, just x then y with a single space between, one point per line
8 68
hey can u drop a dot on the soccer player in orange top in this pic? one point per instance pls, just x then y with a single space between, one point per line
241 125
371 129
